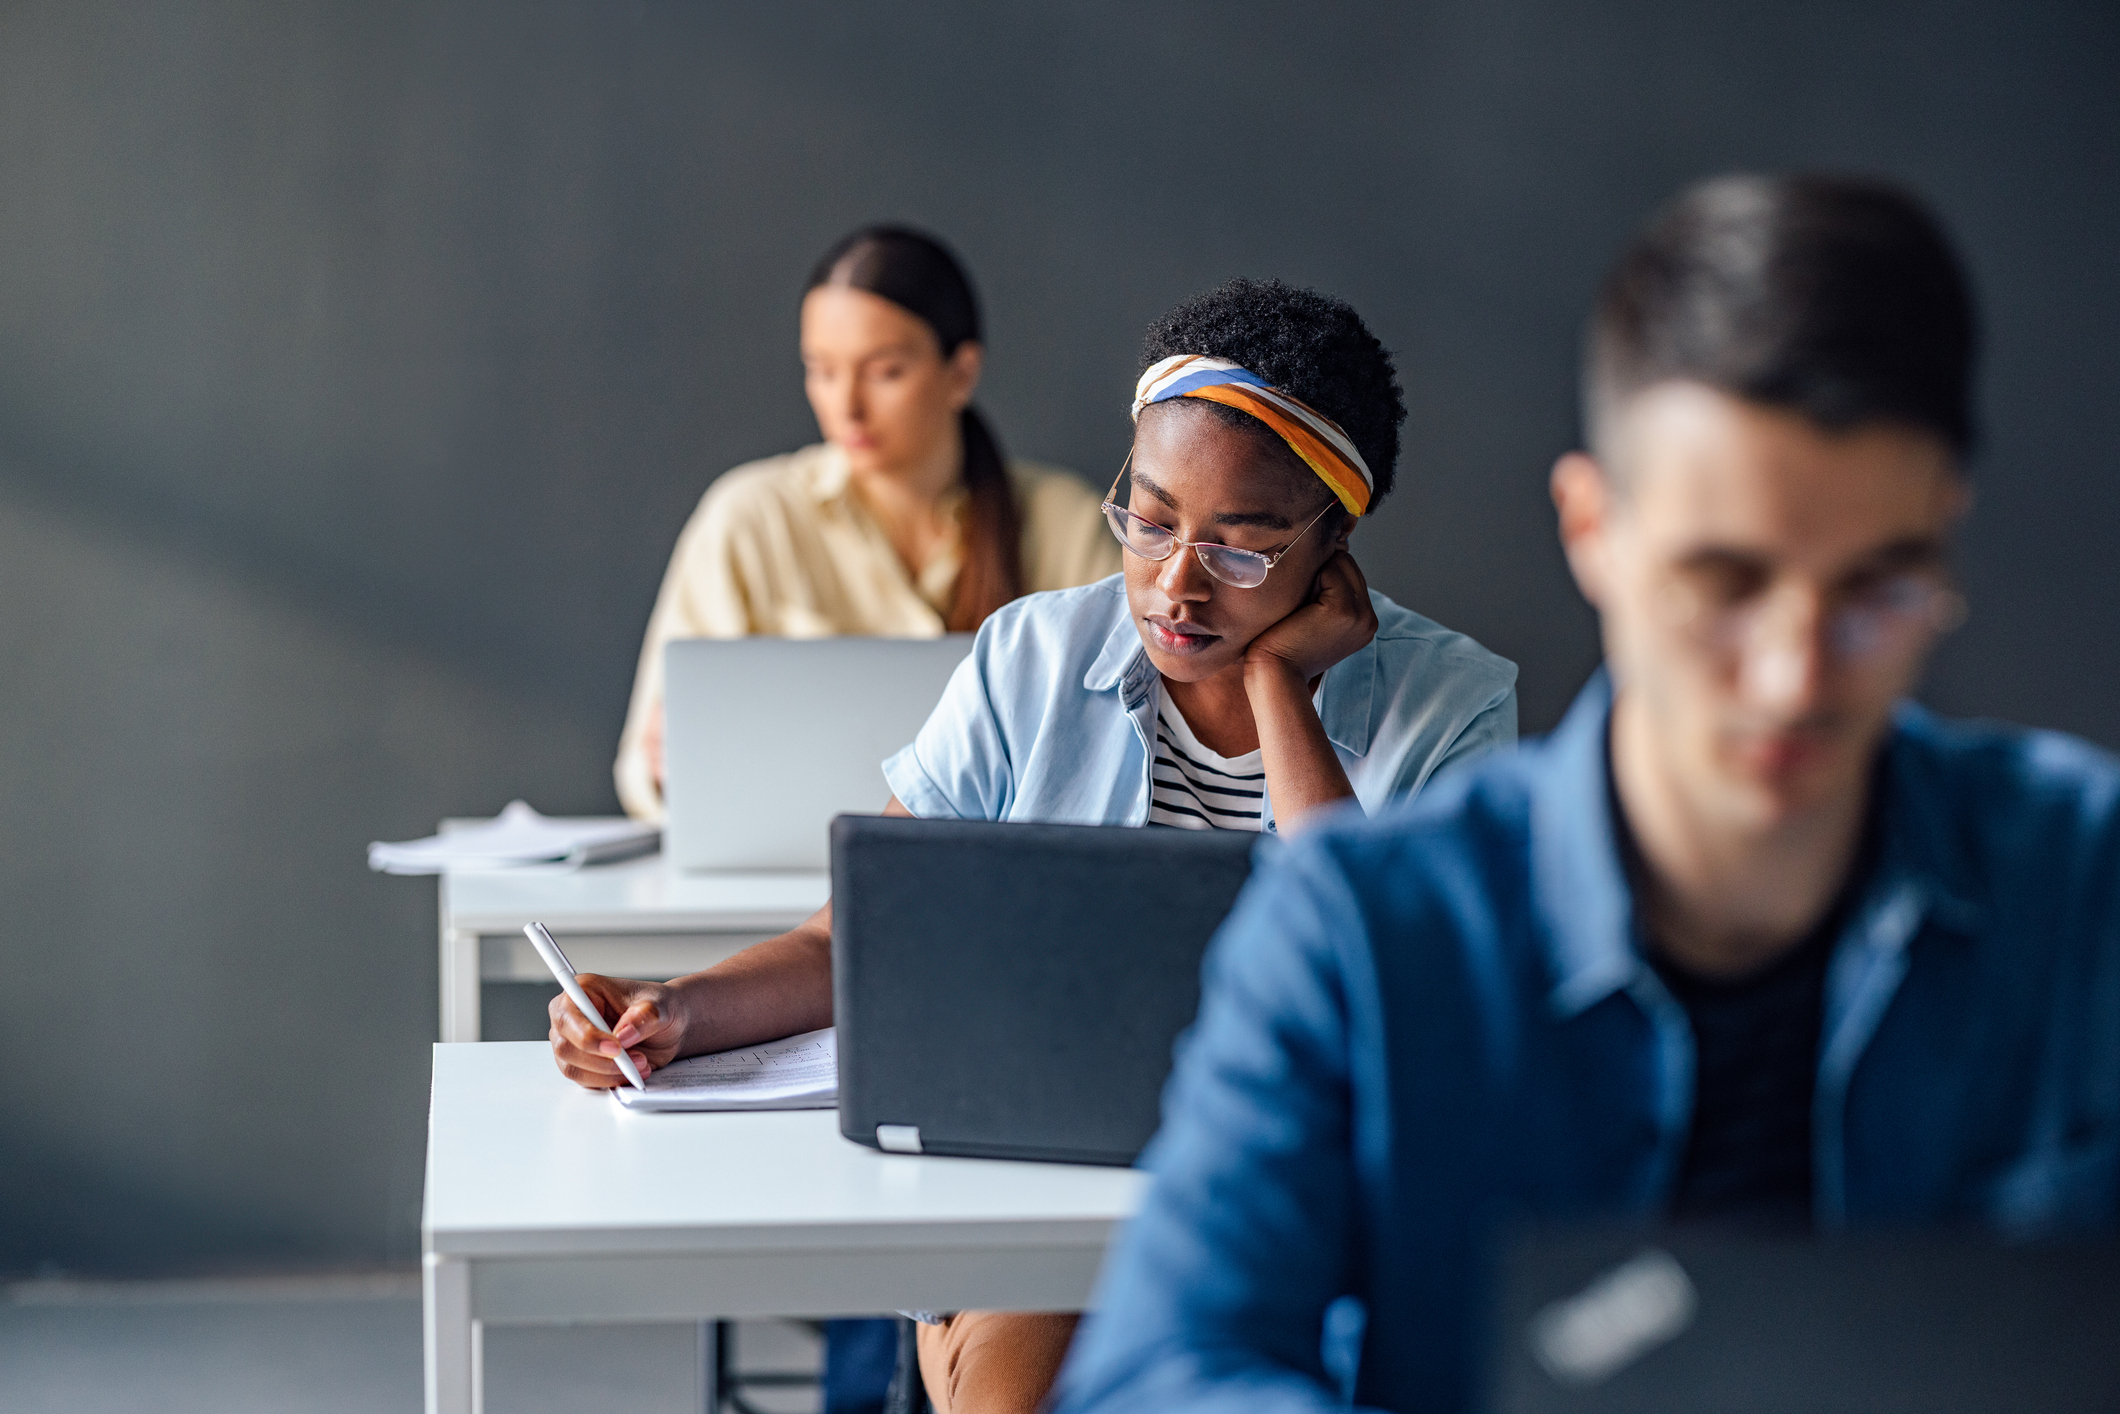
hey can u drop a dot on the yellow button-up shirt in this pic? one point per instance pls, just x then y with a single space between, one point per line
784 547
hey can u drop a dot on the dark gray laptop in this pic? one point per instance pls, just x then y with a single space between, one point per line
1711 1321
1013 991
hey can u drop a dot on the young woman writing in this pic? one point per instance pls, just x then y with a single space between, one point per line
905 521
1239 675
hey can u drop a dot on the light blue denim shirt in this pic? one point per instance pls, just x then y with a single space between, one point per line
1052 717
1417 1024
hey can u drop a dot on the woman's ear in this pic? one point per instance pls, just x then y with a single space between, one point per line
964 367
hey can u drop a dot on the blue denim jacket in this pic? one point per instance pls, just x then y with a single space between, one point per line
1053 715
1414 1023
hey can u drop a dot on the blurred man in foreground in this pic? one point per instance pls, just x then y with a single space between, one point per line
1749 937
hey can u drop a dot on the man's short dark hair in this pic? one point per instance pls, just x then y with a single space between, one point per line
1835 297
1310 345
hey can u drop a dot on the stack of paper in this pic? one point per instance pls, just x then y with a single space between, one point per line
518 835
800 1073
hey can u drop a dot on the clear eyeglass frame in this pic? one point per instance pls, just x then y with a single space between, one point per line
1239 569
1881 623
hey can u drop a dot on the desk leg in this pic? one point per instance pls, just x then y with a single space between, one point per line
455 1363
460 979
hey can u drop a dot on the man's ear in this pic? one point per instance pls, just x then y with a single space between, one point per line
1583 495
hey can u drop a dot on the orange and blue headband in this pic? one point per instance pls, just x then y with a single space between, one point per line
1311 435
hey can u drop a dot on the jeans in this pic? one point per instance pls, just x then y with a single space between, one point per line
859 1357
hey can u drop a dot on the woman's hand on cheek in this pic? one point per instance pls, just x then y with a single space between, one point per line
1334 622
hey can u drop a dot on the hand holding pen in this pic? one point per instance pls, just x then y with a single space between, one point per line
591 1051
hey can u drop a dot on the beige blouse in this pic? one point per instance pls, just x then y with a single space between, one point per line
783 547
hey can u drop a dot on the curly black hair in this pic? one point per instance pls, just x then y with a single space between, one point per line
1310 345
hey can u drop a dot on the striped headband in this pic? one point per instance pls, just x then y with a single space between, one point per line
1311 435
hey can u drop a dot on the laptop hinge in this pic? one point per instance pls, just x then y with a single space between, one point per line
898 1138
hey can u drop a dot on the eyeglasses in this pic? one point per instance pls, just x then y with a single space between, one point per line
1875 622
1239 569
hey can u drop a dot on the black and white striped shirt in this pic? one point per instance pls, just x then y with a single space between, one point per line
1193 788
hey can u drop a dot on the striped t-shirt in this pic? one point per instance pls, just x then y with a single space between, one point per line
1195 789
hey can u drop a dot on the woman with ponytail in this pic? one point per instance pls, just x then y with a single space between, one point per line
907 521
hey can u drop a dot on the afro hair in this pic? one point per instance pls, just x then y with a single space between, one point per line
1309 345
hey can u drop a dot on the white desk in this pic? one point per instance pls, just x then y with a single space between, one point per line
636 919
551 1204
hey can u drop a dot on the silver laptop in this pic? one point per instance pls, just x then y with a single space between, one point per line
768 738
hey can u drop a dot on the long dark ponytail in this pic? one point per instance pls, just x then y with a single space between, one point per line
917 273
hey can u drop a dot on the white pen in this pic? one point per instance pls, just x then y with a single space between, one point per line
564 971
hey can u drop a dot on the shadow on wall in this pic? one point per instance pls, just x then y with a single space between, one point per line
231 1013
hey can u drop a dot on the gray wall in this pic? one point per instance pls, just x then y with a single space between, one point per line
358 363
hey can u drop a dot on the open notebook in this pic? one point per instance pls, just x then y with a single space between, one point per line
799 1073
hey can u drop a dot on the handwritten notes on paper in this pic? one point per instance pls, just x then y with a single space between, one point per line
799 1073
